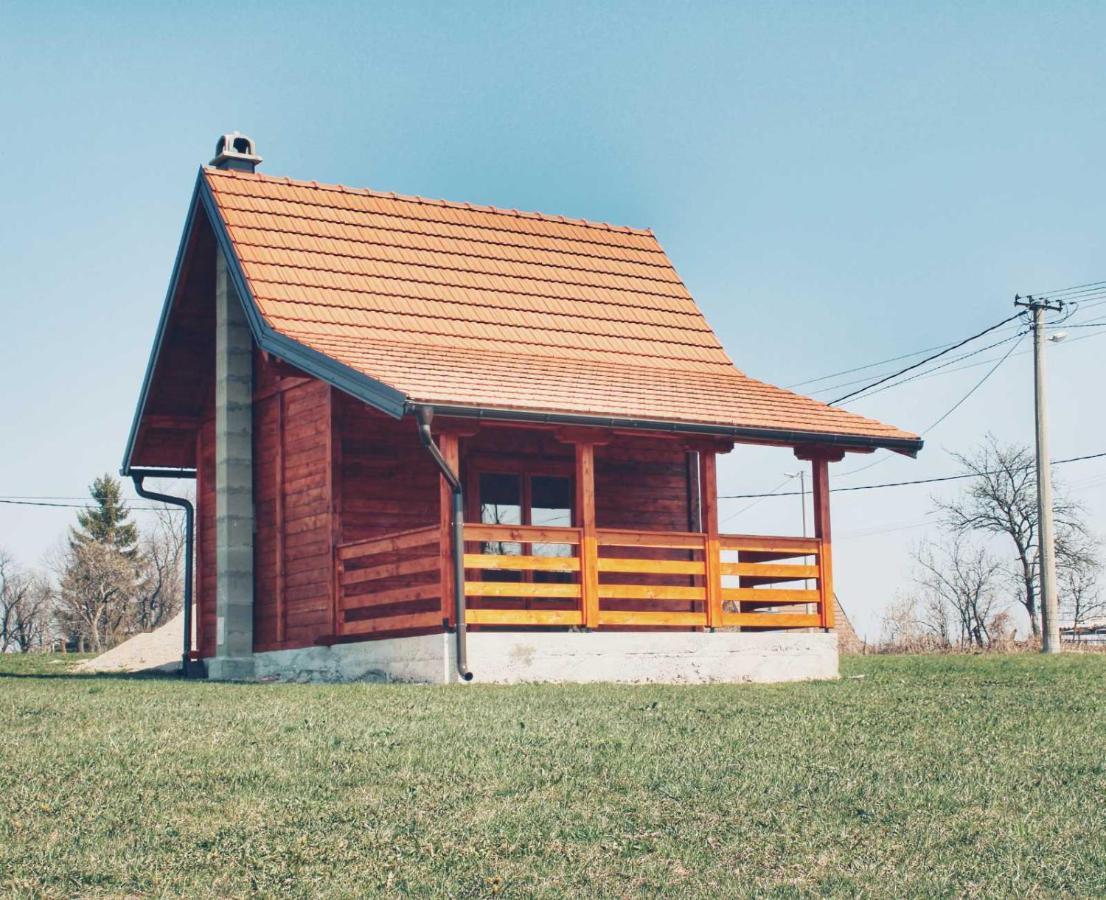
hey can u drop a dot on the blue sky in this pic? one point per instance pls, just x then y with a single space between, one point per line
836 183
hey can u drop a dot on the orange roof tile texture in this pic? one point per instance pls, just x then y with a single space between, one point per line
461 305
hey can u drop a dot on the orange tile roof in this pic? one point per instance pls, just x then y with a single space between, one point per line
458 305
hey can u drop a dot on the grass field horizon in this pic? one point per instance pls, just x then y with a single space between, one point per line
913 775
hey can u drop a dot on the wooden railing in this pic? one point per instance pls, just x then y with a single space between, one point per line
390 584
525 576
536 585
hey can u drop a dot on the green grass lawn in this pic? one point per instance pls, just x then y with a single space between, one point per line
911 776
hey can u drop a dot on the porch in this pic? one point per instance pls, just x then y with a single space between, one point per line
522 576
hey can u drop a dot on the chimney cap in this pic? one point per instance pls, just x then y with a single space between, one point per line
236 151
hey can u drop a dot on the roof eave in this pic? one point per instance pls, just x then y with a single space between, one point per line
906 446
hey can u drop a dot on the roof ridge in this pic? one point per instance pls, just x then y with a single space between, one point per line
428 201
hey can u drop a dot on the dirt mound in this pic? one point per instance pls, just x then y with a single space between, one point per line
159 649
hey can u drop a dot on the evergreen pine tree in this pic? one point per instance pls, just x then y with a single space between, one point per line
108 522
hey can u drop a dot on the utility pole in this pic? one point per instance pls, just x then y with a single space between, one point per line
1046 541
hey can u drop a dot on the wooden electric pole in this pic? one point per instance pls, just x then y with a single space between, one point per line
1046 540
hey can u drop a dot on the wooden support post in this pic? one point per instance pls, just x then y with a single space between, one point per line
820 490
708 486
450 446
589 547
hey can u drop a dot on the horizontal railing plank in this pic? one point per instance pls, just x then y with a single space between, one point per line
520 589
402 540
768 595
395 595
650 592
563 617
522 534
391 570
764 543
771 620
672 540
766 570
651 566
431 619
656 619
522 563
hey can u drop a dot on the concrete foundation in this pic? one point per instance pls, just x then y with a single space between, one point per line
234 512
517 657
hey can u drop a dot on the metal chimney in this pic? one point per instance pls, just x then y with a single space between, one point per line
235 151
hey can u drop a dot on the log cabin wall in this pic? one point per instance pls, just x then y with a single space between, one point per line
388 481
643 484
295 503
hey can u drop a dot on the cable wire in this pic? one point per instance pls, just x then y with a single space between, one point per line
928 359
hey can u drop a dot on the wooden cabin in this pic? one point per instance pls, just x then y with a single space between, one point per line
434 441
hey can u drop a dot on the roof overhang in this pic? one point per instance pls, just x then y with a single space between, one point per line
395 403
855 443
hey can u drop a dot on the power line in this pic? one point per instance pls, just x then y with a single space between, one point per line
865 392
84 506
928 359
890 484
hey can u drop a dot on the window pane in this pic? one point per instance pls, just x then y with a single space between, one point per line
551 507
501 504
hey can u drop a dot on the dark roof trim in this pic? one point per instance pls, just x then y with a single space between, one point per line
377 394
905 446
174 280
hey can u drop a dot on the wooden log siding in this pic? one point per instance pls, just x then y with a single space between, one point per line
390 585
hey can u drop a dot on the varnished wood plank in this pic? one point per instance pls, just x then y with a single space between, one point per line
402 540
656 619
771 620
790 545
396 595
450 448
562 617
523 534
391 570
782 572
650 592
651 566
589 545
522 563
769 595
520 589
821 496
708 483
674 540
413 621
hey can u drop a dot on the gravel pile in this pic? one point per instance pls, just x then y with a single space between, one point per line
153 650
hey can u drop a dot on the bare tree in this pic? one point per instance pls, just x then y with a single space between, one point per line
1078 574
958 586
98 583
906 626
161 585
25 608
1001 499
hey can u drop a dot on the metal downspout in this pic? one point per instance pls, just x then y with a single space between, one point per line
458 538
187 666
